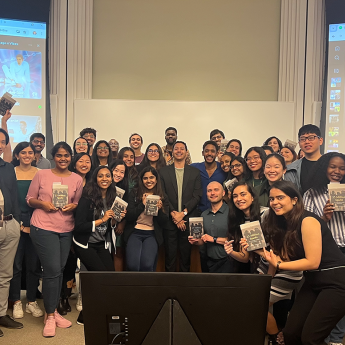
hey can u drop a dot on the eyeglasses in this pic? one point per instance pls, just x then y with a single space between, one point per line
152 151
91 136
38 142
216 137
255 158
103 148
81 144
237 166
310 138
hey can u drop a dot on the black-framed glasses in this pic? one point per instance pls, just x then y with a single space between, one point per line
309 138
152 151
235 166
35 141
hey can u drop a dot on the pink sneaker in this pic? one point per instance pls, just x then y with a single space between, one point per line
49 327
61 321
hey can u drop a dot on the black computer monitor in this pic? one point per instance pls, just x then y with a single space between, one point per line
166 308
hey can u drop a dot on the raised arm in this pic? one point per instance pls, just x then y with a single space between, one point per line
7 152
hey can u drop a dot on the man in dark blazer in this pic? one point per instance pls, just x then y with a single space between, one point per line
182 184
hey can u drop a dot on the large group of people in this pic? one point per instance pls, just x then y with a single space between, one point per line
286 192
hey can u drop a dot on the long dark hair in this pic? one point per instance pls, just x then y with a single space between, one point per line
75 159
75 151
318 175
261 152
61 145
282 232
237 217
133 174
20 147
124 182
94 157
244 164
157 190
232 157
270 138
146 162
93 192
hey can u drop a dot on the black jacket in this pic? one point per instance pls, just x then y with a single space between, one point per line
191 190
8 186
84 218
135 208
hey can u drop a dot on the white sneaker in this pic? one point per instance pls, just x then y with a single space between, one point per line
79 304
34 309
18 310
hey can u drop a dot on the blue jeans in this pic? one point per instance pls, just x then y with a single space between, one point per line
141 251
52 249
33 269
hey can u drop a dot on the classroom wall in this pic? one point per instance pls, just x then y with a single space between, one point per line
196 50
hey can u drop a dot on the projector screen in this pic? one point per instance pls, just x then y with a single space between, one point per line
23 75
335 110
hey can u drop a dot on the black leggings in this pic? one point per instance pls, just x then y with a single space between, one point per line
318 307
95 257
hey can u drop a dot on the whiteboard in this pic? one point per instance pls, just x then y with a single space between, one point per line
251 122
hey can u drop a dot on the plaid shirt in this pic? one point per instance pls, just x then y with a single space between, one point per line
170 159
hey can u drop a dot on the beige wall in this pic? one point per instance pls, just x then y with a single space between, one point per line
197 50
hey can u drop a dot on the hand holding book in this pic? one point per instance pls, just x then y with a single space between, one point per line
328 211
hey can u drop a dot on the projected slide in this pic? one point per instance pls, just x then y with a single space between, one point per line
335 105
23 75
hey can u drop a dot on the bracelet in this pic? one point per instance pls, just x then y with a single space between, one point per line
102 220
277 267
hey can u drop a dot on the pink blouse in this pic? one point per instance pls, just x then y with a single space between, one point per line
41 188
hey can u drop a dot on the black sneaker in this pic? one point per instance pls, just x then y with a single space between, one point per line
8 322
80 320
1 333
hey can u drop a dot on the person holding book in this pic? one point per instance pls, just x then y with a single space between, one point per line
310 140
120 180
215 231
23 156
330 168
275 143
136 142
153 157
128 156
274 170
255 157
301 241
114 145
101 154
144 233
90 135
289 154
39 142
182 185
51 229
234 146
80 145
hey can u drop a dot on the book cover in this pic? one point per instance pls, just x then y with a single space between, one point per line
196 227
229 184
120 192
253 234
151 208
60 195
291 144
223 144
118 206
336 193
6 103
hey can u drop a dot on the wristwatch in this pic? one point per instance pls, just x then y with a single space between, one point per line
215 239
277 267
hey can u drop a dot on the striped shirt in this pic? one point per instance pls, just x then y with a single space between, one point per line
315 201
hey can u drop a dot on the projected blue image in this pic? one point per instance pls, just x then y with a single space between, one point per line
21 73
20 127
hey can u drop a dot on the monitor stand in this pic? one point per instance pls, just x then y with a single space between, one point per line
171 327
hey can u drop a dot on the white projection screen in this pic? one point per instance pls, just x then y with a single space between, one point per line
23 75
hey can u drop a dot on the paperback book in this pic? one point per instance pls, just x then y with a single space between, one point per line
337 196
229 184
196 227
120 192
223 144
252 232
60 195
151 207
290 144
118 206
6 103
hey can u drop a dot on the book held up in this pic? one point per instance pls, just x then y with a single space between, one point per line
336 193
6 103
223 144
229 184
119 206
252 232
120 192
151 207
60 195
196 227
290 144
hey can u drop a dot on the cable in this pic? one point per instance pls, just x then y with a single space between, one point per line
122 333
